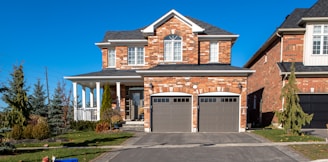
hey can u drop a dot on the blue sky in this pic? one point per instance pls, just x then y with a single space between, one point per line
60 34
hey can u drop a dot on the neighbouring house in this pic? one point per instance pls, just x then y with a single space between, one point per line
302 38
177 70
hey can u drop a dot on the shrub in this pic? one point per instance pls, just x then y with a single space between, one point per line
83 125
27 132
6 148
41 131
116 119
17 132
102 127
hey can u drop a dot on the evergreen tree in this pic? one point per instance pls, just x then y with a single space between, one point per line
15 95
38 99
292 117
55 116
106 104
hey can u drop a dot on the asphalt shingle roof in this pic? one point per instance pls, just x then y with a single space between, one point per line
110 72
319 9
292 20
299 67
195 67
137 34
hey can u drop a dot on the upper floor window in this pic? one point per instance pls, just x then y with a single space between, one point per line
320 39
214 52
136 56
111 57
172 48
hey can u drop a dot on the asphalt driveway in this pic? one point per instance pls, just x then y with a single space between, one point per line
205 147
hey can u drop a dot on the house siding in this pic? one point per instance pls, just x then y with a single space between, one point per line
185 85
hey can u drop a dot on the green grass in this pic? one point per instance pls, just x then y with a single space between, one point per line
83 155
277 135
312 152
90 138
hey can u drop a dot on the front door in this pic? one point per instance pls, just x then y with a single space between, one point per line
135 103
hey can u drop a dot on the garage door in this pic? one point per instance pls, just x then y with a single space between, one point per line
318 105
218 114
171 114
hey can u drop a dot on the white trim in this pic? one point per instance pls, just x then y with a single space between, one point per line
151 28
312 19
127 40
216 53
307 73
102 77
193 71
108 57
136 55
118 95
218 36
170 94
98 100
219 94
75 100
291 29
172 48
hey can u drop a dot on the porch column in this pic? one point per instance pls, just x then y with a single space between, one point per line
91 97
118 93
98 99
75 100
83 103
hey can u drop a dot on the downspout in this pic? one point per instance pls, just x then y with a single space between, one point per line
281 45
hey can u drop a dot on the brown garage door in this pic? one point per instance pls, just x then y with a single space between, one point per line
318 105
171 114
218 114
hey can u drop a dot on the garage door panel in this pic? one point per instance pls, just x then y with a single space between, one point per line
171 114
218 114
316 104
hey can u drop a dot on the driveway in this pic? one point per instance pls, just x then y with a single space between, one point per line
205 147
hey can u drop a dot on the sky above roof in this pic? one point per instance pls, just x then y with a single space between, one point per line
59 35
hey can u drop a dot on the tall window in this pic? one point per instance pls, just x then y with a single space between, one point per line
111 57
214 52
172 48
136 56
320 39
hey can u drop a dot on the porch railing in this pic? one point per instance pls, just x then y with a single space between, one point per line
87 114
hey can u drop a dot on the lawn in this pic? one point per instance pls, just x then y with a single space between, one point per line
82 155
79 138
313 152
277 135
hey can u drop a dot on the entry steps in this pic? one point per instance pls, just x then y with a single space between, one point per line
137 126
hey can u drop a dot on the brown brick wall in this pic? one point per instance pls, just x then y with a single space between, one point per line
224 52
185 85
267 76
293 48
319 85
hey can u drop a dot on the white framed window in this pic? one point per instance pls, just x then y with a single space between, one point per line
136 56
320 40
111 57
172 48
214 52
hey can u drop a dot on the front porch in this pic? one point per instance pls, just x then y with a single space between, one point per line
127 94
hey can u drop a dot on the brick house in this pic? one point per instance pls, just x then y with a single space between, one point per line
177 70
302 38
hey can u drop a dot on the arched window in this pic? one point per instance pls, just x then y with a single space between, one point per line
172 48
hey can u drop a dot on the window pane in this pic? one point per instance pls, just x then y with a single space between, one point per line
316 44
131 55
214 52
325 45
167 51
111 57
140 55
317 29
177 51
325 29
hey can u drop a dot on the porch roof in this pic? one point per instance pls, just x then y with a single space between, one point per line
301 69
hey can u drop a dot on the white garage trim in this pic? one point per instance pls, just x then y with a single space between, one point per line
175 94
228 94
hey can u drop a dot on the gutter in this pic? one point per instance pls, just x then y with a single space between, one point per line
102 77
306 73
309 19
193 71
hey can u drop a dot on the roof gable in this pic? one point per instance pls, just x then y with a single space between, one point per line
173 13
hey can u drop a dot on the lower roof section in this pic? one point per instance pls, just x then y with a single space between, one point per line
302 70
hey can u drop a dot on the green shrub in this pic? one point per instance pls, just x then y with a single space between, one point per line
27 132
6 148
41 131
83 125
17 132
102 127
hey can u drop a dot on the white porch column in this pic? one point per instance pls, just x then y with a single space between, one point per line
83 103
118 93
91 97
98 99
75 100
